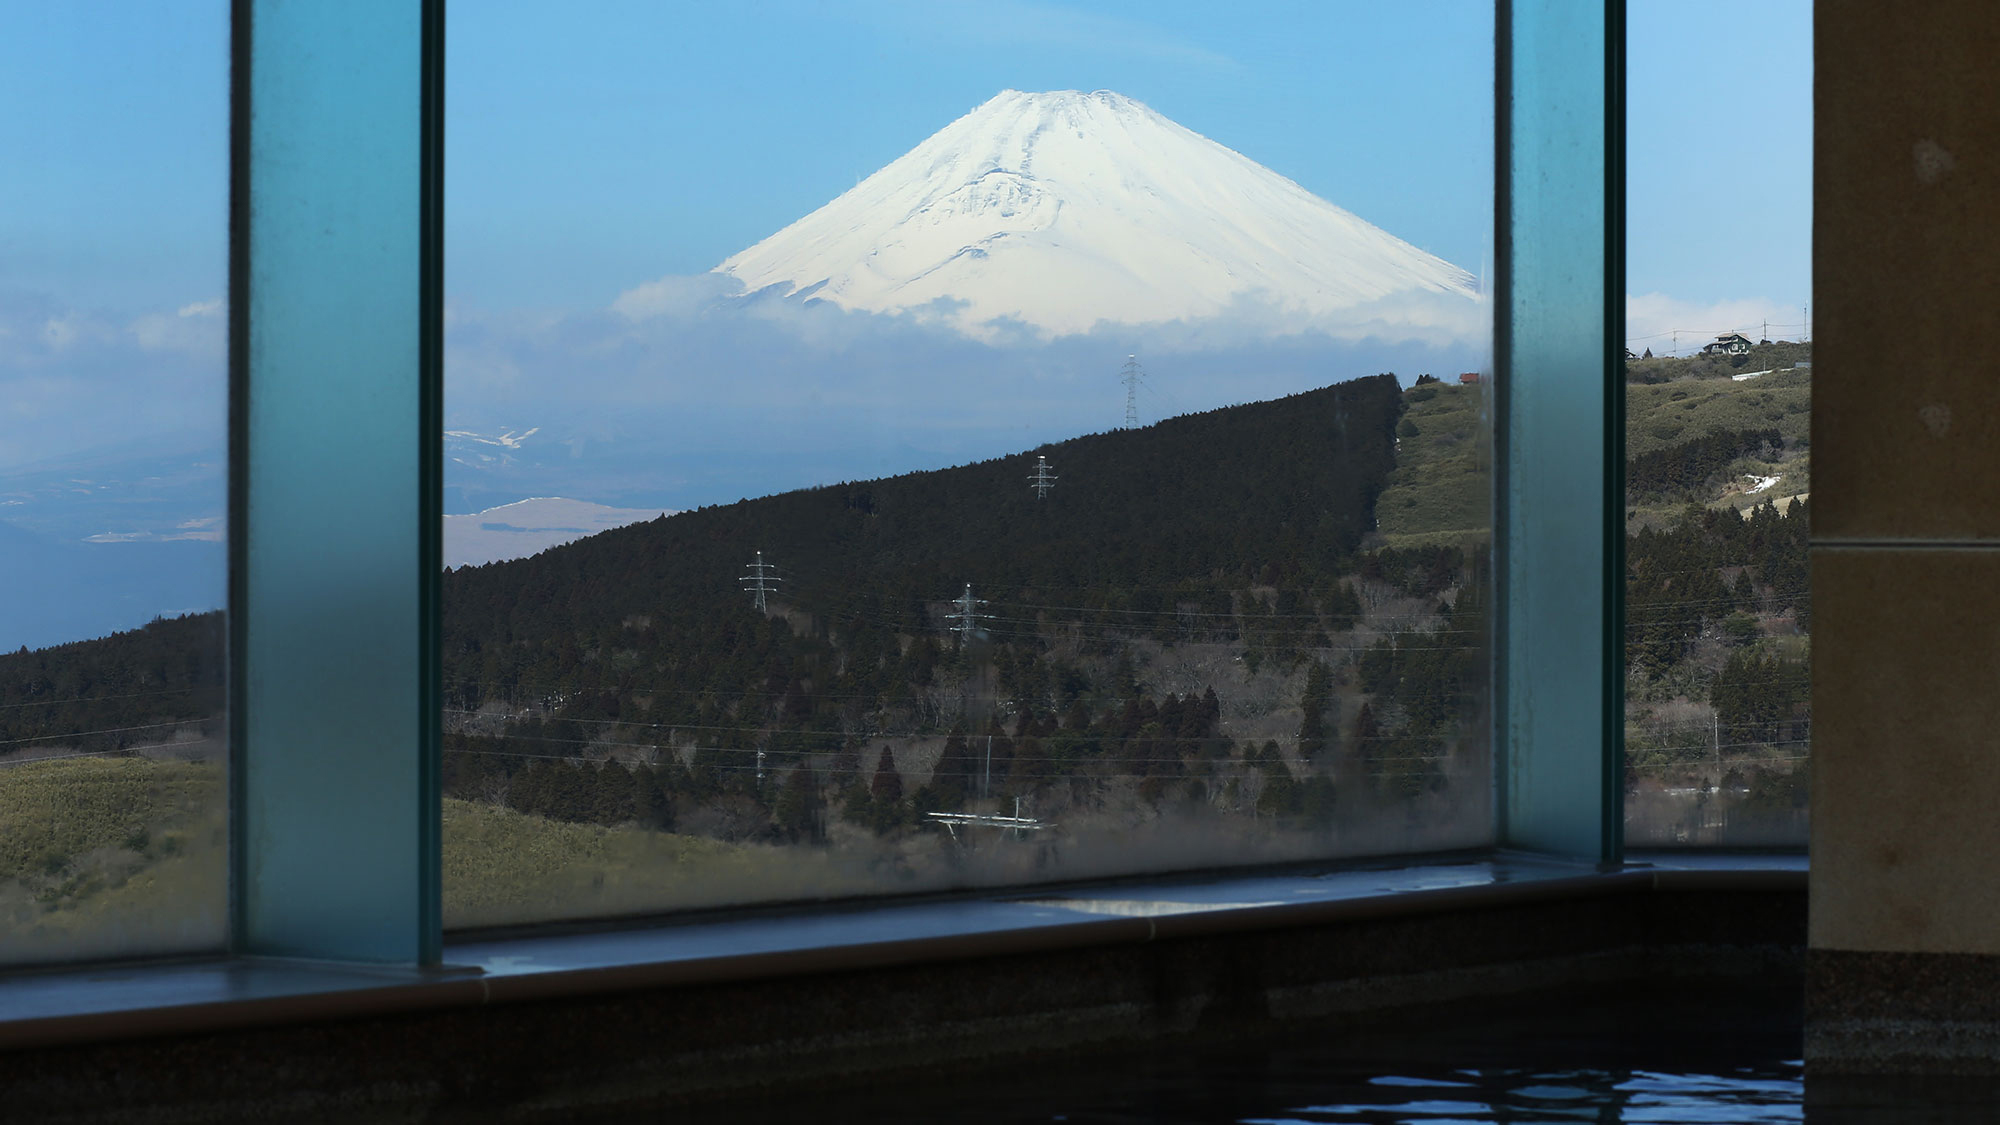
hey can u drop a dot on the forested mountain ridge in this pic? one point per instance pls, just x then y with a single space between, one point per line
129 689
1269 492
1160 629
1190 650
1718 606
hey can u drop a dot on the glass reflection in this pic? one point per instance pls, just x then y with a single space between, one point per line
113 387
1718 373
1034 509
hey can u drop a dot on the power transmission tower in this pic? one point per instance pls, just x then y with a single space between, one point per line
1041 480
965 615
1132 374
760 578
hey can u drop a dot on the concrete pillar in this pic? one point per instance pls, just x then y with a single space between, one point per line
1903 974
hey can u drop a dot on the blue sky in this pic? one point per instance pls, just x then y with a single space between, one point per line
656 139
113 152
593 153
1719 166
594 147
597 145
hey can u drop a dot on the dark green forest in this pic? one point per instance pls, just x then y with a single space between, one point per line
629 678
129 689
1698 465
1718 612
1241 528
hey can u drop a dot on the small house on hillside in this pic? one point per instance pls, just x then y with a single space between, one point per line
1467 378
1729 343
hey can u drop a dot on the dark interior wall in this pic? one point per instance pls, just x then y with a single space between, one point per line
1906 504
680 1052
1905 911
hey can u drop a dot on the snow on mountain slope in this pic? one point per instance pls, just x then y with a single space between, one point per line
527 527
1063 209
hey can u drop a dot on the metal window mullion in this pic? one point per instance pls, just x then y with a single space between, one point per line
1559 220
335 471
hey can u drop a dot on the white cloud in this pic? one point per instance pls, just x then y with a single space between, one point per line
74 379
211 307
199 335
683 395
60 333
689 302
674 296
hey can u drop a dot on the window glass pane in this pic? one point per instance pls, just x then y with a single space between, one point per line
1718 396
893 448
113 384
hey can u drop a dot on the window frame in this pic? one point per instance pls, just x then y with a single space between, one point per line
296 888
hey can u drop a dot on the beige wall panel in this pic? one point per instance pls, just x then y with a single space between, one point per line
1906 272
1906 750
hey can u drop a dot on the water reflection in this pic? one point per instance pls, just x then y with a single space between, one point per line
1772 1092
1685 1052
1696 1052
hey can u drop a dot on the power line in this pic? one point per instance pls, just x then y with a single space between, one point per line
103 730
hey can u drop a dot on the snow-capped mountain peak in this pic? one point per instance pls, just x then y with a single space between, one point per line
1063 209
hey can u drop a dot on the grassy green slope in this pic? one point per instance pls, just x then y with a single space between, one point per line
1667 414
502 866
107 856
1670 413
1440 491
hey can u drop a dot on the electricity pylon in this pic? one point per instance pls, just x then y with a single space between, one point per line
965 615
759 579
1041 480
1132 375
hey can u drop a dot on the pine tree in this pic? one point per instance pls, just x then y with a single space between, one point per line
1367 732
798 807
885 793
1313 702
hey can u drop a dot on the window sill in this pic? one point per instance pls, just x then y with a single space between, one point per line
71 1005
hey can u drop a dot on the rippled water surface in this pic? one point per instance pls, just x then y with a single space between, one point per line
1750 1094
1618 1054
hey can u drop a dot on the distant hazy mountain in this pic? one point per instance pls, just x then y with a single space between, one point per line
1063 209
526 527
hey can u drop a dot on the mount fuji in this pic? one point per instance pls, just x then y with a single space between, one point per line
1062 210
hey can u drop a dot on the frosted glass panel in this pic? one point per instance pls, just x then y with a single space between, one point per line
334 802
1557 557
